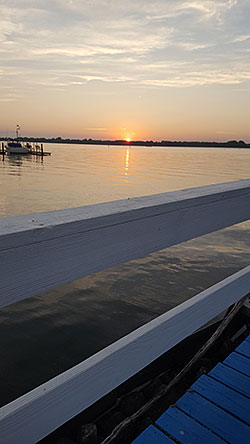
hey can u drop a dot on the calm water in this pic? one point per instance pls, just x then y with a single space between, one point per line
78 175
49 333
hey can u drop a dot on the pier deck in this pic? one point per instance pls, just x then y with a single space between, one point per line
215 409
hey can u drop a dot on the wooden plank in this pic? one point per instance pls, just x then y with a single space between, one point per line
239 363
226 398
232 378
244 349
18 230
152 436
184 429
42 410
42 251
248 339
214 418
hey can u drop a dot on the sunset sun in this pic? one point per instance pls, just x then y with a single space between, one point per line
128 139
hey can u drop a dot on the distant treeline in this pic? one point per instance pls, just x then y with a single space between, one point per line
228 144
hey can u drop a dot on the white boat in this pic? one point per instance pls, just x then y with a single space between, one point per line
15 147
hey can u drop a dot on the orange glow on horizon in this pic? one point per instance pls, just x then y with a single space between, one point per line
128 139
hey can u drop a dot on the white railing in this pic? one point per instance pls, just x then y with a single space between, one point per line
41 251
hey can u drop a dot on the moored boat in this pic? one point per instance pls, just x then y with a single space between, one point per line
15 147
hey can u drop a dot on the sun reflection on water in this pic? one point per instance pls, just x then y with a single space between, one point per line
127 161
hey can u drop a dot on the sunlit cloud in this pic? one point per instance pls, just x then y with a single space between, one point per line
97 129
197 79
189 46
209 8
78 52
7 99
242 38
224 132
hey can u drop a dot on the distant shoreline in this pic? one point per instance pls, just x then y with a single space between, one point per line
165 143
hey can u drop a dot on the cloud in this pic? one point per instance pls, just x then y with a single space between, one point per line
7 99
242 38
210 9
192 46
96 129
193 80
68 43
78 52
224 132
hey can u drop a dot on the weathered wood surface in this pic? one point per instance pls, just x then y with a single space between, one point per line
210 411
185 429
224 397
211 417
152 435
41 251
39 412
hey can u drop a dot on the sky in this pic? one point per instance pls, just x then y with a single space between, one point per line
138 69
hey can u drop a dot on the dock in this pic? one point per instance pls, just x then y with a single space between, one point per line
77 242
39 151
215 409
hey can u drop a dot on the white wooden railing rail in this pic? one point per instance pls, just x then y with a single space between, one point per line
41 251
